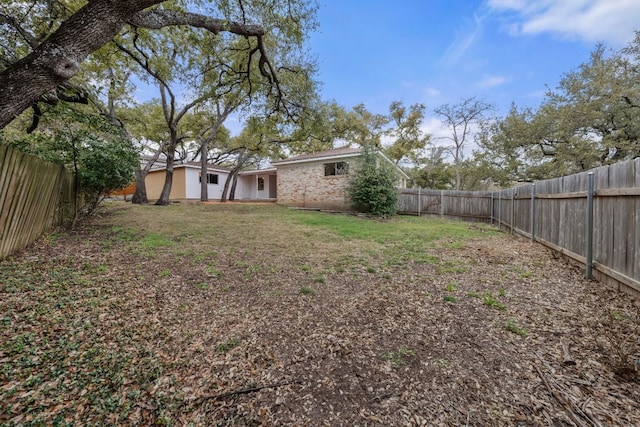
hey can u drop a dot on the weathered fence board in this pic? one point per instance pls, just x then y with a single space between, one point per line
34 196
559 213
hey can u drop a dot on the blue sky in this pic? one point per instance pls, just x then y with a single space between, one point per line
440 51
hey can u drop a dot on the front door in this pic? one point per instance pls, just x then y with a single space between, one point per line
272 187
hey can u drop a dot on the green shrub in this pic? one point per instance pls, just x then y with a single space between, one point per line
373 185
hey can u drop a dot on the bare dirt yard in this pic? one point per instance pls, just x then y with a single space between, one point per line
213 315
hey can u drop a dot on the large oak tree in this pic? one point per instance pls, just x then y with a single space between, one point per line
592 118
55 58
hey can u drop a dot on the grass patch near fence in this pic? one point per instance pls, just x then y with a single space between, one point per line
405 239
405 230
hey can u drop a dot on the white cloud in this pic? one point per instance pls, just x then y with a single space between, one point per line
537 94
436 128
464 41
432 92
492 81
609 21
441 135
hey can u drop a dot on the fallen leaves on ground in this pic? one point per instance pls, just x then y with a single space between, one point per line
121 322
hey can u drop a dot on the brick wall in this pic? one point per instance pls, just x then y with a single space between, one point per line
304 185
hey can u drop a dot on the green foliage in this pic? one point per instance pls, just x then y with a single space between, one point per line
373 186
87 144
409 138
450 287
106 165
397 357
511 326
324 123
227 345
490 301
434 172
155 240
591 118
306 290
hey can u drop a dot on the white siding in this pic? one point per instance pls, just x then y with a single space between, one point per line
193 184
247 187
244 187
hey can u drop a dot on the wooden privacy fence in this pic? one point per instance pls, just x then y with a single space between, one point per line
591 217
34 196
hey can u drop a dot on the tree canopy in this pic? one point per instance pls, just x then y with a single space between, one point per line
51 39
592 118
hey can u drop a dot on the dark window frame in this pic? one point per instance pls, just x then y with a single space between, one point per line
212 178
336 168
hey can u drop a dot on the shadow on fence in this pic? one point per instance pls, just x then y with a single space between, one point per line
35 196
591 217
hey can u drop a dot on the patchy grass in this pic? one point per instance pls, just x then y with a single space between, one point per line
511 326
228 345
490 300
306 290
151 315
397 357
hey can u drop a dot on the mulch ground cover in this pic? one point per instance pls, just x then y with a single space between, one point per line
260 315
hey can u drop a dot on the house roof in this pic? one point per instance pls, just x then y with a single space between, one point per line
267 171
191 165
338 153
209 166
321 155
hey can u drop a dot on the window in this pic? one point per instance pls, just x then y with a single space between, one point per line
337 168
212 178
260 184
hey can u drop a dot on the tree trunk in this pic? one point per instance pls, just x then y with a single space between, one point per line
168 180
204 182
232 192
140 195
166 188
58 58
457 163
227 181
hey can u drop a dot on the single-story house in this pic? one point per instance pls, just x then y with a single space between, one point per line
320 180
252 185
317 180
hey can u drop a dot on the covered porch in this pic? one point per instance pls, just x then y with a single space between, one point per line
259 185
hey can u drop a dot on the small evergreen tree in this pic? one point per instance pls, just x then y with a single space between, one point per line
373 185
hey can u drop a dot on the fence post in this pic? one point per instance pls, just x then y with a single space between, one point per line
441 203
533 212
513 208
588 273
419 201
491 215
499 210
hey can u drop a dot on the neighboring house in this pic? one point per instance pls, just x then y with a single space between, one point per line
317 180
320 180
252 185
